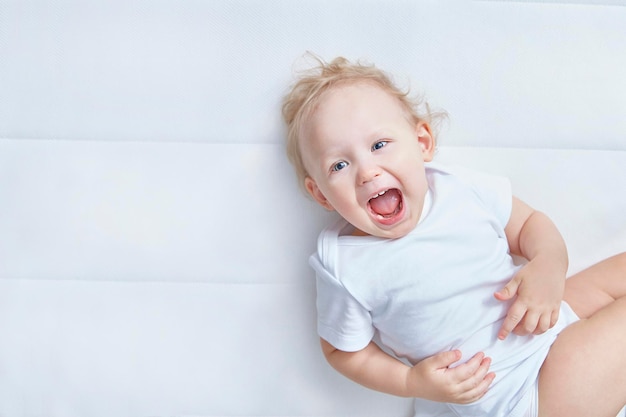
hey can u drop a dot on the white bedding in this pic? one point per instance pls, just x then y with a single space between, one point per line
153 242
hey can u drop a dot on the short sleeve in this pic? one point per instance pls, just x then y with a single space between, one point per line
341 320
493 191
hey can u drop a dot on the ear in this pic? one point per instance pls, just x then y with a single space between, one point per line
317 195
426 140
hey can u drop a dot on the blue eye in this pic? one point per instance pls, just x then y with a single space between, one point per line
339 166
379 144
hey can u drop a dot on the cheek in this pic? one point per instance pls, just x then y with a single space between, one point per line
340 195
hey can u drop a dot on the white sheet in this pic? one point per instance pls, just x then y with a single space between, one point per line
153 242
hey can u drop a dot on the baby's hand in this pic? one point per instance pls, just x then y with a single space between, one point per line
434 380
538 291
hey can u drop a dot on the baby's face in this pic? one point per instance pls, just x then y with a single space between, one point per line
366 160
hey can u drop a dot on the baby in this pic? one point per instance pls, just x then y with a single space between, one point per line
421 262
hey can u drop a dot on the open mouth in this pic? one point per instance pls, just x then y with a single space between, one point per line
386 205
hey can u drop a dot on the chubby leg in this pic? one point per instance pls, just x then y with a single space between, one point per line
583 374
597 286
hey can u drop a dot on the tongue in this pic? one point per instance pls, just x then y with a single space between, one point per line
386 204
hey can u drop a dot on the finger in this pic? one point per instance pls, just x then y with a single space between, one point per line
481 389
509 290
444 359
528 324
467 370
513 317
476 387
476 372
544 323
555 317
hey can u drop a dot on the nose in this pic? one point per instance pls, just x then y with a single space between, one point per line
368 173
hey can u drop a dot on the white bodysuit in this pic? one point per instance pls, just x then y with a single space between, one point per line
432 290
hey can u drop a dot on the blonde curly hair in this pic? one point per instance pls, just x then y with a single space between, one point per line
305 93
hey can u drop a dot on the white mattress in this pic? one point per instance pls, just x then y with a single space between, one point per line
153 242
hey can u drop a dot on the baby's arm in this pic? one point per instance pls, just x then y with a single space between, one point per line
540 284
431 378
